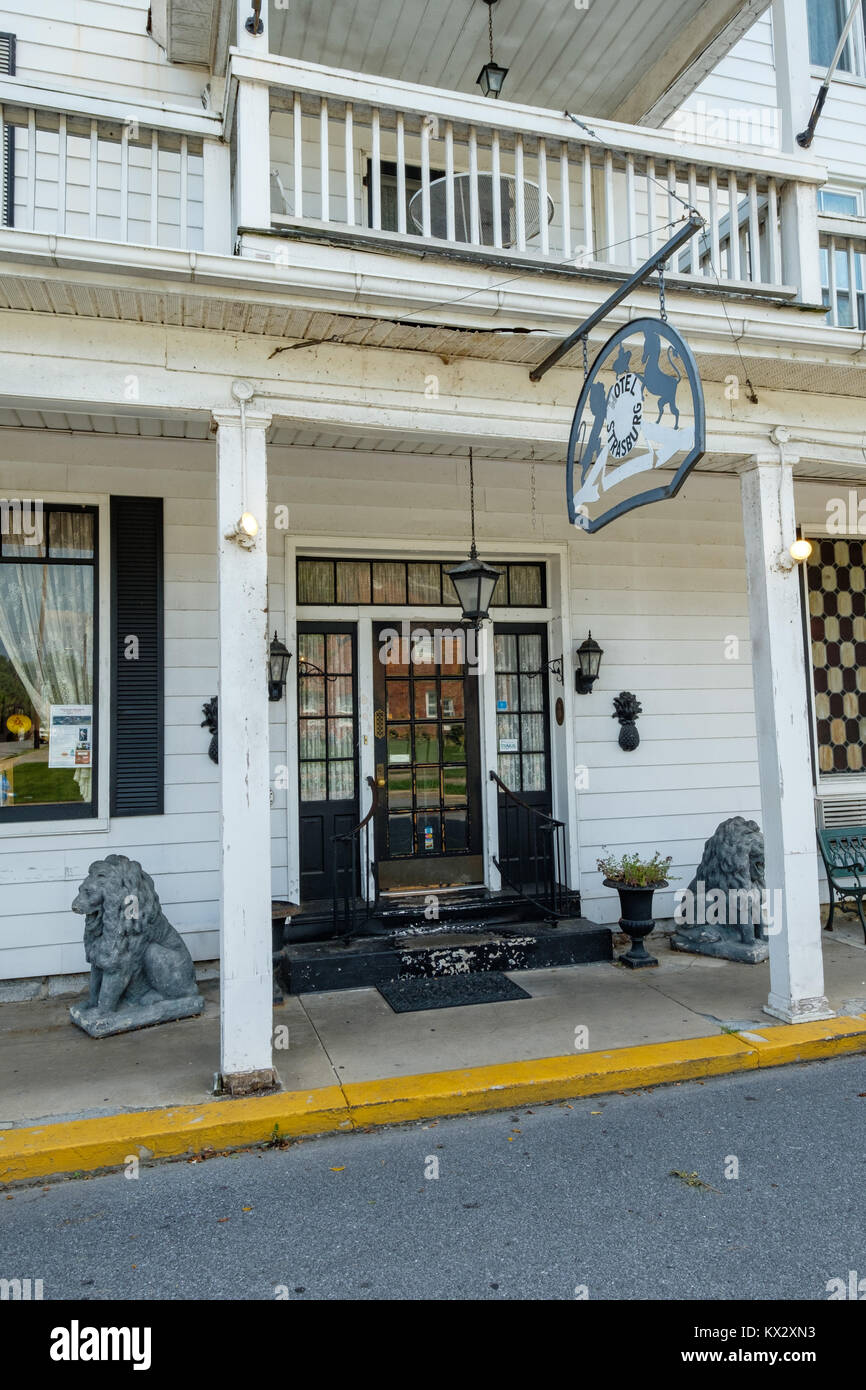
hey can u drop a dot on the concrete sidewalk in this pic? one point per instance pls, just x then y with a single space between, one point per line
52 1072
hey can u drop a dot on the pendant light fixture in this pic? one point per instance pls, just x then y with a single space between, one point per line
473 580
491 76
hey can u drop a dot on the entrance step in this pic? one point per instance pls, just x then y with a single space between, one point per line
308 967
472 909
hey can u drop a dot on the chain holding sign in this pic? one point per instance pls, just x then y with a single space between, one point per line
641 410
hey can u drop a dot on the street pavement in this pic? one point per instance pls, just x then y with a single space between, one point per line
561 1201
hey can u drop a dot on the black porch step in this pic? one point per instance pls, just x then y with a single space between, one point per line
308 967
478 909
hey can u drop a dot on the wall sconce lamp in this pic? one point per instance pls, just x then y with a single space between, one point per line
491 76
796 554
246 528
589 655
278 663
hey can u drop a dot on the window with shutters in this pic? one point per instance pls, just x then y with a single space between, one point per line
7 138
137 724
48 639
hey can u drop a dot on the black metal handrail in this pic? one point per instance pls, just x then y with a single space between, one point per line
348 909
541 859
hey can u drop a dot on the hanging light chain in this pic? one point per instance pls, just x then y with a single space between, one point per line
472 496
663 313
490 27
585 357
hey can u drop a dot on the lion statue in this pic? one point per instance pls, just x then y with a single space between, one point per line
136 957
725 900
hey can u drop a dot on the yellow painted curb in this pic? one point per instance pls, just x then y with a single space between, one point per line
109 1141
805 1042
548 1078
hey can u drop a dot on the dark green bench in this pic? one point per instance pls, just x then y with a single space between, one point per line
843 850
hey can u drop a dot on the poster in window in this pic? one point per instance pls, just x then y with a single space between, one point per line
70 736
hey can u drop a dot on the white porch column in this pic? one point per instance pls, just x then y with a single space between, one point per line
778 667
253 170
793 73
246 993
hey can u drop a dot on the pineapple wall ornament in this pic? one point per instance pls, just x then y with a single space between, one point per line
211 722
626 708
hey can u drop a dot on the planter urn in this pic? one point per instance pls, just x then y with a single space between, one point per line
636 907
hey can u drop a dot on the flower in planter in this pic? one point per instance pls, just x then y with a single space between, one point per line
633 872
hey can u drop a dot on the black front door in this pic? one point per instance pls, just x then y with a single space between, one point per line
428 822
327 748
522 742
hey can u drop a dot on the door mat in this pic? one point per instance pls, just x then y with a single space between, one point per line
449 991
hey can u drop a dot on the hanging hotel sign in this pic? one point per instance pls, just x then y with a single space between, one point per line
641 412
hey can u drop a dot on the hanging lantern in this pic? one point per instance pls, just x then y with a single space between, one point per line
491 76
473 580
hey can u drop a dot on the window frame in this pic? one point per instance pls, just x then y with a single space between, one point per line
51 819
855 47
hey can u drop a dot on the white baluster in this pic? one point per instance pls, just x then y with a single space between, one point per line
715 264
650 205
450 227
425 176
496 186
609 232
184 191
672 188
734 226
565 200
298 154
754 229
349 146
519 193
773 230
376 171
30 187
94 175
324 162
588 239
630 211
401 173
852 281
542 198
696 239
831 264
154 188
61 175
474 209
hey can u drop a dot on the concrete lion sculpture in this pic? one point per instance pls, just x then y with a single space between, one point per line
721 914
140 969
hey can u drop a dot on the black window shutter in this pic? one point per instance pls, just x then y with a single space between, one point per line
7 145
137 742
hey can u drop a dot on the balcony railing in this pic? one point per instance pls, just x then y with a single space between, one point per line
843 270
76 175
385 161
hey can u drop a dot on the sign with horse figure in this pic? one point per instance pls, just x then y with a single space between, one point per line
641 411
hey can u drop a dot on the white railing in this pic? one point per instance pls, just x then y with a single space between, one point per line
843 272
381 159
110 180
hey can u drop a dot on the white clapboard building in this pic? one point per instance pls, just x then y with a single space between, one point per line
268 273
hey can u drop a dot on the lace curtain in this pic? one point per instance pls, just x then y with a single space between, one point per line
46 626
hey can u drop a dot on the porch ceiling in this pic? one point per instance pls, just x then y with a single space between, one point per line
779 368
198 430
614 60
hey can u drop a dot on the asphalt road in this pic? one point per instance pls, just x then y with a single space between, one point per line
527 1204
